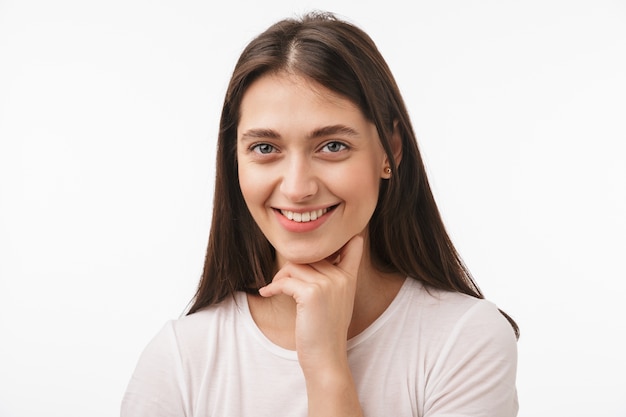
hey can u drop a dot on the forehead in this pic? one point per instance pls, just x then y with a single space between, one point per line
285 97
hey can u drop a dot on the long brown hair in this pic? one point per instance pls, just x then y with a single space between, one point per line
406 231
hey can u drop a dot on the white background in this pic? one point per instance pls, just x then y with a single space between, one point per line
108 120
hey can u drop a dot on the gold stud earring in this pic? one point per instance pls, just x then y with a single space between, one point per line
388 171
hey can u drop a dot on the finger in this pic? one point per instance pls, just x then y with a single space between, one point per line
288 287
350 255
291 270
347 258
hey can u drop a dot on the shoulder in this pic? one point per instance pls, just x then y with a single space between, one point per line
204 327
454 314
173 362
472 353
225 310
192 338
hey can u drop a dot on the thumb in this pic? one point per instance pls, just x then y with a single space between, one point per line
350 255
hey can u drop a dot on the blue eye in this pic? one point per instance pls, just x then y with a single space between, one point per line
334 147
263 148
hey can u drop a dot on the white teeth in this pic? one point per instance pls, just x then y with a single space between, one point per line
304 217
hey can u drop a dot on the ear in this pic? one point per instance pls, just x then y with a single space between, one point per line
396 149
396 143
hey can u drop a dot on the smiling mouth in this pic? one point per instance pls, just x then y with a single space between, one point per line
307 216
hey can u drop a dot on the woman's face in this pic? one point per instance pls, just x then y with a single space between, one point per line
309 165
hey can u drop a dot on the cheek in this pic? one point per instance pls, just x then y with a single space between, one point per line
360 187
250 187
256 188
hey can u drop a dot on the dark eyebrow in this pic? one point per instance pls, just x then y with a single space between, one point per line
260 134
333 130
317 133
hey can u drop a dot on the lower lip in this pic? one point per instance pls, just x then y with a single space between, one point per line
301 227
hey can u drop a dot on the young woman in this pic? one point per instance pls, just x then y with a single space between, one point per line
330 286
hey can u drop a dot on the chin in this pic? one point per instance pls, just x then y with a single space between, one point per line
309 258
303 259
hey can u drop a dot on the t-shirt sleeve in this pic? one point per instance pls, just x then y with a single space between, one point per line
156 388
474 375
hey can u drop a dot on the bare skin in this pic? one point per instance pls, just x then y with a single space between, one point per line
314 309
310 166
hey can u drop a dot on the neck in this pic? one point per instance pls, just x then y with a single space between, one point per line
276 316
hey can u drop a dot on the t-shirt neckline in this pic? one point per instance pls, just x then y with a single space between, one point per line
244 310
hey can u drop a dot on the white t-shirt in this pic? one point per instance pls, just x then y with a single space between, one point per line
431 353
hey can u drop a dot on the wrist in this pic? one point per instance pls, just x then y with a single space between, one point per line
332 392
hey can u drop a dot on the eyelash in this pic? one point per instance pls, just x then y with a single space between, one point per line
257 147
342 145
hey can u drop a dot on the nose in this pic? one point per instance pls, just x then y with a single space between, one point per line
299 182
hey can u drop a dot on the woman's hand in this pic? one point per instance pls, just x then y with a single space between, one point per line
324 293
